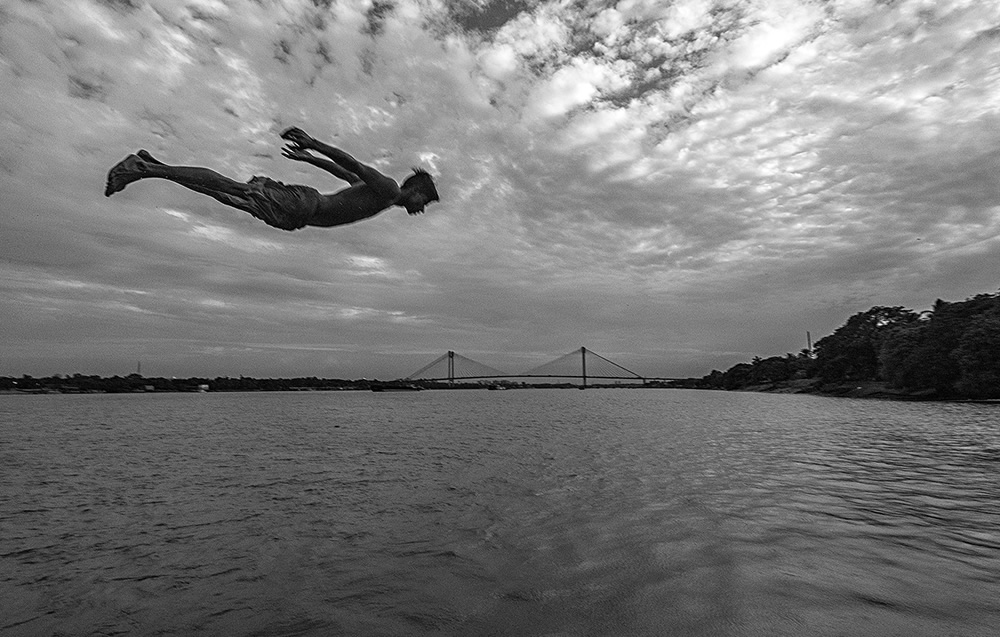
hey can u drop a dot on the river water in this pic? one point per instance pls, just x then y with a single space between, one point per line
523 512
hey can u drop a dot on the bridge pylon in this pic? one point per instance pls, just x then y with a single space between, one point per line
452 366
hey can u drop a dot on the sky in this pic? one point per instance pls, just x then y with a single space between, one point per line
676 185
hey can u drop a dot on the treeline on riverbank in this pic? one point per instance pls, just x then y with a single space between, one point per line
78 383
950 351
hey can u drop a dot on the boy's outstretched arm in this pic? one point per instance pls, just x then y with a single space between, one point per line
300 140
334 169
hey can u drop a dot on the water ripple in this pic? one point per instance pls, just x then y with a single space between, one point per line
497 513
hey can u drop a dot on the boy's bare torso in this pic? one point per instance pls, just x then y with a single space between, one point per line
351 204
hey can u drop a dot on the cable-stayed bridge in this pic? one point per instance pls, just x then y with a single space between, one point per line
580 364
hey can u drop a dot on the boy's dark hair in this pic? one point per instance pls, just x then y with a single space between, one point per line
421 179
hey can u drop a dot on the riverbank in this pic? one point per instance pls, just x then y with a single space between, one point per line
860 389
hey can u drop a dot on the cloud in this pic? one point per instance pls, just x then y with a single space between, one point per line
573 86
699 180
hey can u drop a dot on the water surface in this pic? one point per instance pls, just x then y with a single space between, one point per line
534 512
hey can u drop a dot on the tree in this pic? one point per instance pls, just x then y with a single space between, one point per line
978 358
737 376
903 357
851 353
770 370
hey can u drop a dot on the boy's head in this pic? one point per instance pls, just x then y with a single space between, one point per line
422 182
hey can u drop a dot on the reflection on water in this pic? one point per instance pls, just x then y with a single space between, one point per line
658 512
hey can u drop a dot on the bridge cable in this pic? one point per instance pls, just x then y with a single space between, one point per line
428 366
624 369
477 366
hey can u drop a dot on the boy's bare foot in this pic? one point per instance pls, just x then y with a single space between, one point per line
124 172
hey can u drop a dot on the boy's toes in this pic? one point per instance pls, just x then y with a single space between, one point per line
122 174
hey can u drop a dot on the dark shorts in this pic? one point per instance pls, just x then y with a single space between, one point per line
284 206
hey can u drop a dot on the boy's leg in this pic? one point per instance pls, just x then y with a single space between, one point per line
202 180
147 157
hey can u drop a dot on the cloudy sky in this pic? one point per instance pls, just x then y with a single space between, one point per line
678 185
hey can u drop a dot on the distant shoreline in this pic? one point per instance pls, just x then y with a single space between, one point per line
879 390
862 389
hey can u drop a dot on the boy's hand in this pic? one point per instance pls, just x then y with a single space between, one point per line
296 153
300 140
